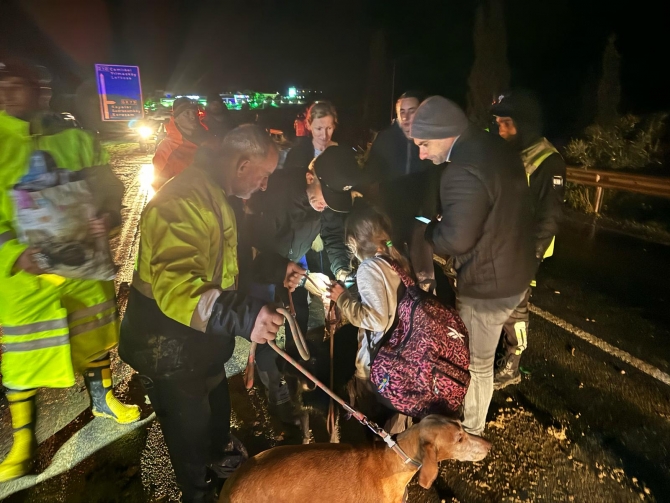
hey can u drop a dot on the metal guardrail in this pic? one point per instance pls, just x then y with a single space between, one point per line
601 180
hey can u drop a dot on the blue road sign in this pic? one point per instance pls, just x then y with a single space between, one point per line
120 92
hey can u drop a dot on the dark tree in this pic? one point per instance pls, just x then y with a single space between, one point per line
490 74
609 87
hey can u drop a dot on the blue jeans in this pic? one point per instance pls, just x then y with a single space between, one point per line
484 319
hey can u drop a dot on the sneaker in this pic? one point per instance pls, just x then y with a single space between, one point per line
509 373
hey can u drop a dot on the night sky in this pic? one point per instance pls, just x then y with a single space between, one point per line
554 47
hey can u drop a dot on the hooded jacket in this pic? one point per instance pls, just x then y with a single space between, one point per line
545 168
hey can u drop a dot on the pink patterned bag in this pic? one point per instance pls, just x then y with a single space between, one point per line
421 366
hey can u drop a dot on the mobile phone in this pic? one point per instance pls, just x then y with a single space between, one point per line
423 220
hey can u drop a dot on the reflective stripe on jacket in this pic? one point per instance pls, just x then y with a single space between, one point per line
183 272
52 326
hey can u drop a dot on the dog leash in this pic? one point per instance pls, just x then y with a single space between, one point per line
304 353
360 417
299 339
332 319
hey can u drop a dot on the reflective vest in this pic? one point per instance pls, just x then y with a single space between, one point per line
51 326
532 158
188 248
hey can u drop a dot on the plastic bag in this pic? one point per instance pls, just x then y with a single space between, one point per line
53 208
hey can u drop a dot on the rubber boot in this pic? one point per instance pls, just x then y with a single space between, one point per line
280 404
508 373
20 458
98 379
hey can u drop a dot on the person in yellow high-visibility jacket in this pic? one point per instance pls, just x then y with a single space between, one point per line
52 327
519 121
184 307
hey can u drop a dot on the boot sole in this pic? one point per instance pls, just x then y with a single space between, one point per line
110 416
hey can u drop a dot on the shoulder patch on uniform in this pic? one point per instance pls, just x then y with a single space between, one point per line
558 181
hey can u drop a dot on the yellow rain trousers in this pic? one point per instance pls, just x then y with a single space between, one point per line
51 326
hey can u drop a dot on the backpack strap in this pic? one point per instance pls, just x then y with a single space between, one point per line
400 271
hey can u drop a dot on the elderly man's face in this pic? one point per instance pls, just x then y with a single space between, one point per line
253 174
435 150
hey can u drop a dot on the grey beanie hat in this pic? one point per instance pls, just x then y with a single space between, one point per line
438 118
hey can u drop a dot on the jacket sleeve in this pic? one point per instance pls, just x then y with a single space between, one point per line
332 234
234 313
548 187
162 161
465 205
373 311
178 239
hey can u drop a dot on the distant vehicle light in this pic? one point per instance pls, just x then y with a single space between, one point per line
292 92
145 131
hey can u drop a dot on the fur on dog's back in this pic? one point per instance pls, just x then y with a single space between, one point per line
279 475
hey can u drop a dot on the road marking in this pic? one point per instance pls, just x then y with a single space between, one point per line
641 365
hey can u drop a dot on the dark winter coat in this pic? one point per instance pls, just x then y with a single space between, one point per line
486 223
393 155
300 155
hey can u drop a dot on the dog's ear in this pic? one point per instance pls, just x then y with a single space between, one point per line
428 471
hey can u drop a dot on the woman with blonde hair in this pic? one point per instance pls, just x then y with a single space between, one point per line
321 122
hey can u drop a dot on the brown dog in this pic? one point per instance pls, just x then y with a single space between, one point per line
342 473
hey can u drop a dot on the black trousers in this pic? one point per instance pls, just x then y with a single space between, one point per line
194 414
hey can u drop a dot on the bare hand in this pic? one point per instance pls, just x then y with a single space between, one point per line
26 262
317 283
335 289
294 275
268 323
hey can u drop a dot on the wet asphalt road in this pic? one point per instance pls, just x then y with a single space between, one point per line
582 425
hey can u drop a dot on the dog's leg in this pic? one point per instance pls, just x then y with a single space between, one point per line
334 424
304 425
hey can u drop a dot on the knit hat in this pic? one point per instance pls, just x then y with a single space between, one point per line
338 171
181 105
438 118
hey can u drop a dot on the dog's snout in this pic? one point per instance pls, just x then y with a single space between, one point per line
478 448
